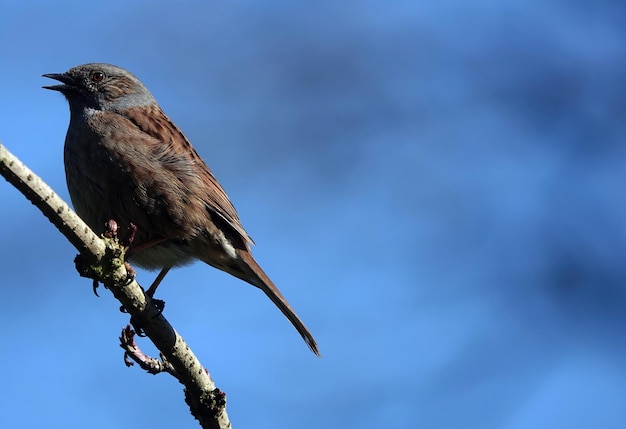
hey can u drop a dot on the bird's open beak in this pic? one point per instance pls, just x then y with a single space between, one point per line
68 82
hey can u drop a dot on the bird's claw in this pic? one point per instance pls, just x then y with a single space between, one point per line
95 288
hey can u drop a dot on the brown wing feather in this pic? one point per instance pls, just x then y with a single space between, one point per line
160 127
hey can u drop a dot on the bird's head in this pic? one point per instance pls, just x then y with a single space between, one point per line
101 87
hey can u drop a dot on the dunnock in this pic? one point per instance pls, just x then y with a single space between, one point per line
126 160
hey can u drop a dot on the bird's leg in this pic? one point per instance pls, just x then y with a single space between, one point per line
155 284
111 232
132 231
158 303
147 244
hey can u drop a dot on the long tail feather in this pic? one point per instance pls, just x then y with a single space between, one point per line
255 276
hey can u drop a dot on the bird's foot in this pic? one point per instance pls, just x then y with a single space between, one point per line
159 304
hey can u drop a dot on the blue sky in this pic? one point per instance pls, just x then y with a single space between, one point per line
436 187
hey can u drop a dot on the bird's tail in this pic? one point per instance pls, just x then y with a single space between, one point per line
252 273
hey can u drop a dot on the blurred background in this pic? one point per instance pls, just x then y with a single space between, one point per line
434 186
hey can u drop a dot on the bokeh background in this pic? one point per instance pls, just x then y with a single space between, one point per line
437 188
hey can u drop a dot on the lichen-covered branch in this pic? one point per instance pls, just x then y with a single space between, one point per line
103 260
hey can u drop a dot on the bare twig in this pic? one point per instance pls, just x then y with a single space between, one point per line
51 205
103 260
147 363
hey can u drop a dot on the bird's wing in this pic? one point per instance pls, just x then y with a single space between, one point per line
176 152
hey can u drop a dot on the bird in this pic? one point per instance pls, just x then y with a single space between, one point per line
125 160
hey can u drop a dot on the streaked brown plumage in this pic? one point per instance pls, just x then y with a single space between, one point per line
126 160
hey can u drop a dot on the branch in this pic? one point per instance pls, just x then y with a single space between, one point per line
103 260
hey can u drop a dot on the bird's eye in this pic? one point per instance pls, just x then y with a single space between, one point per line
97 76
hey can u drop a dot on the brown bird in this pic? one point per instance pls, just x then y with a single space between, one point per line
126 160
